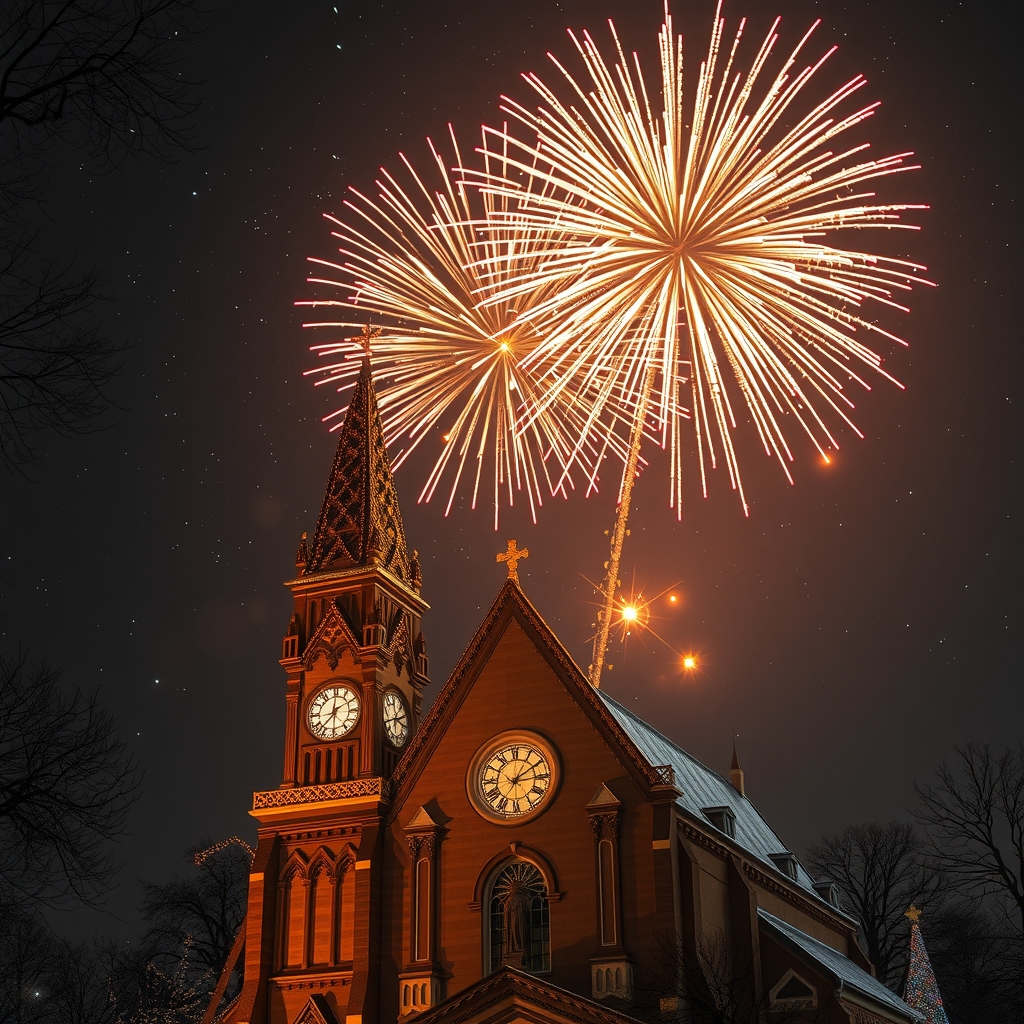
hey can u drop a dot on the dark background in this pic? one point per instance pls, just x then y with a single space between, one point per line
852 630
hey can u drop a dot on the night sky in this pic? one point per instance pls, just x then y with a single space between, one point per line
852 630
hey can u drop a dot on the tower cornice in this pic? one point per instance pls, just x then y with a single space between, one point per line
302 585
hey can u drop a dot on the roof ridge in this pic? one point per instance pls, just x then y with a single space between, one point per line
511 595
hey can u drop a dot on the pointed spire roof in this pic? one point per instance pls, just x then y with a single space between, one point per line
921 990
360 522
736 776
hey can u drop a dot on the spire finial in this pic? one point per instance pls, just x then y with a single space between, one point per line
369 333
512 556
736 777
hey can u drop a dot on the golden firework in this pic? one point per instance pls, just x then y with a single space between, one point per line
688 251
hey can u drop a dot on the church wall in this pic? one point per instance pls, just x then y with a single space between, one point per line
516 690
714 894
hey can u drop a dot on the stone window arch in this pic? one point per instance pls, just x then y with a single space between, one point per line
517 918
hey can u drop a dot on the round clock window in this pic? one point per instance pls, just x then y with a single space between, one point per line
513 777
333 712
396 718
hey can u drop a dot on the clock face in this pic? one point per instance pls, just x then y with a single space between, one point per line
333 712
514 779
396 718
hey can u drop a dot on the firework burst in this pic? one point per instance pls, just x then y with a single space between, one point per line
449 370
693 256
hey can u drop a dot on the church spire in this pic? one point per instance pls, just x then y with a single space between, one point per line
360 522
736 777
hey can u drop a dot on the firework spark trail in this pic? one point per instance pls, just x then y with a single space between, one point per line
443 363
697 248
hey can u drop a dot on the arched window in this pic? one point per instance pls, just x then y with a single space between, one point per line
520 931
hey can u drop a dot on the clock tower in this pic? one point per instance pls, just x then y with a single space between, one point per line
356 667
354 653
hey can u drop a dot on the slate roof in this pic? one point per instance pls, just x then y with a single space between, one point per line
700 787
838 967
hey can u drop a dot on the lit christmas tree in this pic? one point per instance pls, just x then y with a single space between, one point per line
922 990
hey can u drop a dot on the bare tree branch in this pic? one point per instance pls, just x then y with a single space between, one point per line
201 911
55 363
102 74
881 870
974 816
103 78
66 785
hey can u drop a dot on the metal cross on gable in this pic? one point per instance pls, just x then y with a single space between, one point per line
512 556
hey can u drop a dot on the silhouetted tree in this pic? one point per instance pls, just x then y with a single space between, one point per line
974 817
199 914
66 784
102 77
55 363
881 870
977 964
27 950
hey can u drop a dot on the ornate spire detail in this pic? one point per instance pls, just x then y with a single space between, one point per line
360 522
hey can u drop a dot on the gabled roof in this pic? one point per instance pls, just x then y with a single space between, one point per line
508 996
511 603
360 522
654 759
700 787
840 969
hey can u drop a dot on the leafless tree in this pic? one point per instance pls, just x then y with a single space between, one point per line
974 817
979 965
27 950
55 363
881 870
202 911
101 79
66 784
104 75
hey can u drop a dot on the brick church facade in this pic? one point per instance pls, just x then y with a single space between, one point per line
527 849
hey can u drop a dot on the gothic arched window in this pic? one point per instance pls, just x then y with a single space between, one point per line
520 931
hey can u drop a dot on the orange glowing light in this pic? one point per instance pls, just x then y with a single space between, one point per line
689 662
672 599
630 613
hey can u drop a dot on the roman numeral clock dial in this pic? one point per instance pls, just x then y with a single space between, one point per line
512 778
333 712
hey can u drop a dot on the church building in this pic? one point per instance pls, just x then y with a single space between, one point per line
526 849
